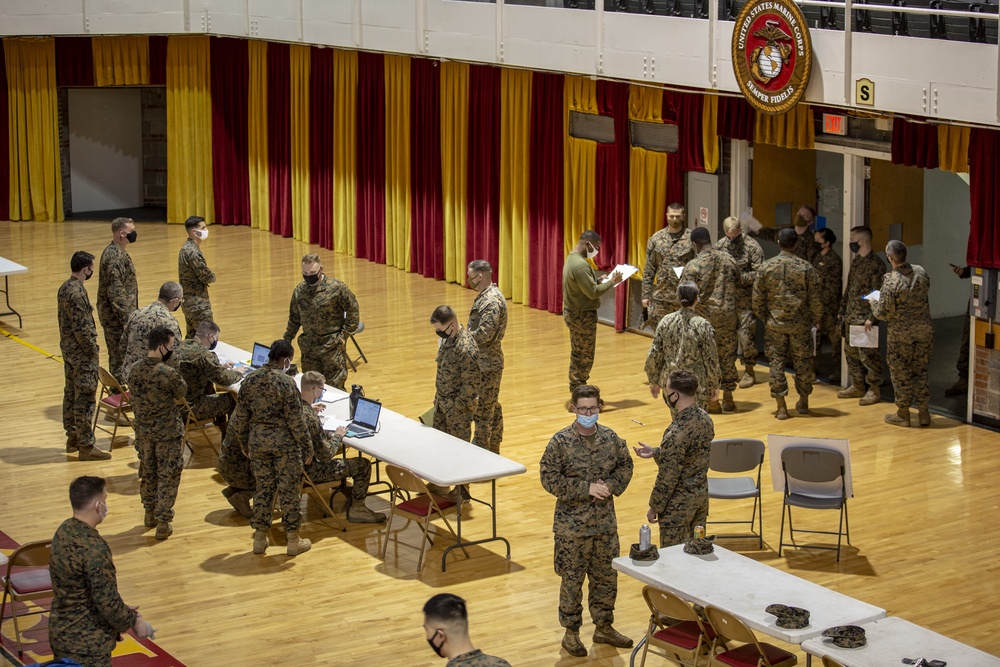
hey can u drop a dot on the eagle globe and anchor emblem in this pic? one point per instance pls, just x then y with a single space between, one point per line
768 60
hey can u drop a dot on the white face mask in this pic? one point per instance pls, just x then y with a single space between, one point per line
104 514
592 253
201 233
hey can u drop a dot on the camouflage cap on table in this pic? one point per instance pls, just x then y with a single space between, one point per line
699 546
847 636
789 617
635 553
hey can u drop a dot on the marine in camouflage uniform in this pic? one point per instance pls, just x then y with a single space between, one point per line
686 340
905 307
666 250
488 324
749 257
142 321
328 314
458 376
476 658
863 363
117 295
202 371
195 277
831 275
805 246
234 468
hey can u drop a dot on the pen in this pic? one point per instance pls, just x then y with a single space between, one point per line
638 422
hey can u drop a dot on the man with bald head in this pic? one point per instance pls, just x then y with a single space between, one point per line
144 320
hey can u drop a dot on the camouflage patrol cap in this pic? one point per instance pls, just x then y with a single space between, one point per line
635 553
847 636
699 546
789 617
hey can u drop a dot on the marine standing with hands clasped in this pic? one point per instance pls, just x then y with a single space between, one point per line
194 275
488 324
748 256
667 250
117 290
863 277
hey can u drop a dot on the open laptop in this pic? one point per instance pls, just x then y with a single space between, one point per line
259 356
365 418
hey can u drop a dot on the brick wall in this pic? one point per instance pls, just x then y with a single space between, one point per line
986 375
154 146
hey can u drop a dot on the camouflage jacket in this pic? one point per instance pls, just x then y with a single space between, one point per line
477 658
325 311
117 289
682 458
831 275
664 252
458 375
786 295
747 254
864 276
193 272
88 614
324 444
904 302
488 324
570 465
716 275
268 415
155 387
135 337
805 246
200 369
686 340
77 329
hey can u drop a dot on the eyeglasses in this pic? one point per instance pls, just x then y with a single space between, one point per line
588 410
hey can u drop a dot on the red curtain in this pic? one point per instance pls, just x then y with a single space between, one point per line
157 60
545 201
230 67
371 157
4 141
914 144
426 219
984 187
611 195
279 140
482 235
736 119
675 180
74 61
685 110
321 148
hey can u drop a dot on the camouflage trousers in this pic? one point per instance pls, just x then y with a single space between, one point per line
454 419
582 325
746 334
833 330
277 472
798 346
79 399
864 364
86 660
684 512
196 309
908 357
358 468
234 468
590 557
660 309
327 356
116 351
210 406
489 414
726 339
161 457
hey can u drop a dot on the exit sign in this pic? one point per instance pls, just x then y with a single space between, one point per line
834 124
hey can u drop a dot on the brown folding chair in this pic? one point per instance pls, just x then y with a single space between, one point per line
751 652
309 485
353 361
194 426
675 627
27 578
113 401
421 508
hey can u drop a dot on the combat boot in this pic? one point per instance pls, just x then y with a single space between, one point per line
72 445
297 545
93 454
900 418
259 541
605 634
148 520
728 404
872 396
924 416
802 405
714 408
571 642
854 391
960 388
748 380
782 408
241 503
361 514
163 530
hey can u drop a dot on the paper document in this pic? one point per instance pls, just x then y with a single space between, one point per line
749 223
627 270
678 270
858 337
874 296
331 423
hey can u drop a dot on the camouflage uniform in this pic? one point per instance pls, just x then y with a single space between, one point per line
805 247
904 305
786 298
665 251
581 299
268 418
234 465
684 340
195 277
831 275
201 370
81 355
328 314
586 530
477 658
88 615
488 324
457 385
680 493
159 433
864 276
326 466
135 338
749 257
716 275
117 299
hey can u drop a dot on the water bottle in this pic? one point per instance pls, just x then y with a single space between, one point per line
356 392
644 537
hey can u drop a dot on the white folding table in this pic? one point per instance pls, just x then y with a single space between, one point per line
7 269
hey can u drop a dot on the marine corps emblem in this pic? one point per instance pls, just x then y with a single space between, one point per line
772 54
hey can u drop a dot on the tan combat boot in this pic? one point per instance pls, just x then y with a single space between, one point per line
872 396
571 642
605 634
93 454
924 416
148 520
748 380
728 404
163 530
259 541
900 418
782 408
714 408
297 545
802 405
854 391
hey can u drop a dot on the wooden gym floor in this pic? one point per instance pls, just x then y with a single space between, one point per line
925 530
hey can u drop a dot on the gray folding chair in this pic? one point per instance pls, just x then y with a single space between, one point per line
816 466
736 455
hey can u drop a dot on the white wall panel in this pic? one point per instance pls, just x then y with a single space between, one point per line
973 105
622 64
389 39
456 46
130 17
329 34
462 30
553 26
227 17
49 17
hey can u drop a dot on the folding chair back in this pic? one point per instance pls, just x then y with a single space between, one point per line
816 466
812 464
27 578
675 627
736 455
112 400
309 485
751 653
352 360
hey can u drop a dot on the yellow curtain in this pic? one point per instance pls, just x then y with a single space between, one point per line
260 194
647 200
454 165
515 143
953 148
33 127
397 161
189 129
579 162
645 103
793 129
709 133
345 93
121 61
299 59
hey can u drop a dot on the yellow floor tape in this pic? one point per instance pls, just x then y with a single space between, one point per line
47 355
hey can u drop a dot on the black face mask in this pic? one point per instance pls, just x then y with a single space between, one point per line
443 334
214 343
89 275
132 236
311 280
167 355
673 402
174 309
437 649
855 247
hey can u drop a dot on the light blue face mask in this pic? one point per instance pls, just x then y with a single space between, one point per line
587 421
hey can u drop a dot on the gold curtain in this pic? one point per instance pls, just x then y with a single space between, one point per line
299 60
647 177
397 161
189 129
33 127
709 133
345 93
515 144
645 103
579 162
793 129
260 194
953 148
454 165
121 61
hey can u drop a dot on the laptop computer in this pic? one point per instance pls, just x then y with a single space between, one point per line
259 356
365 418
